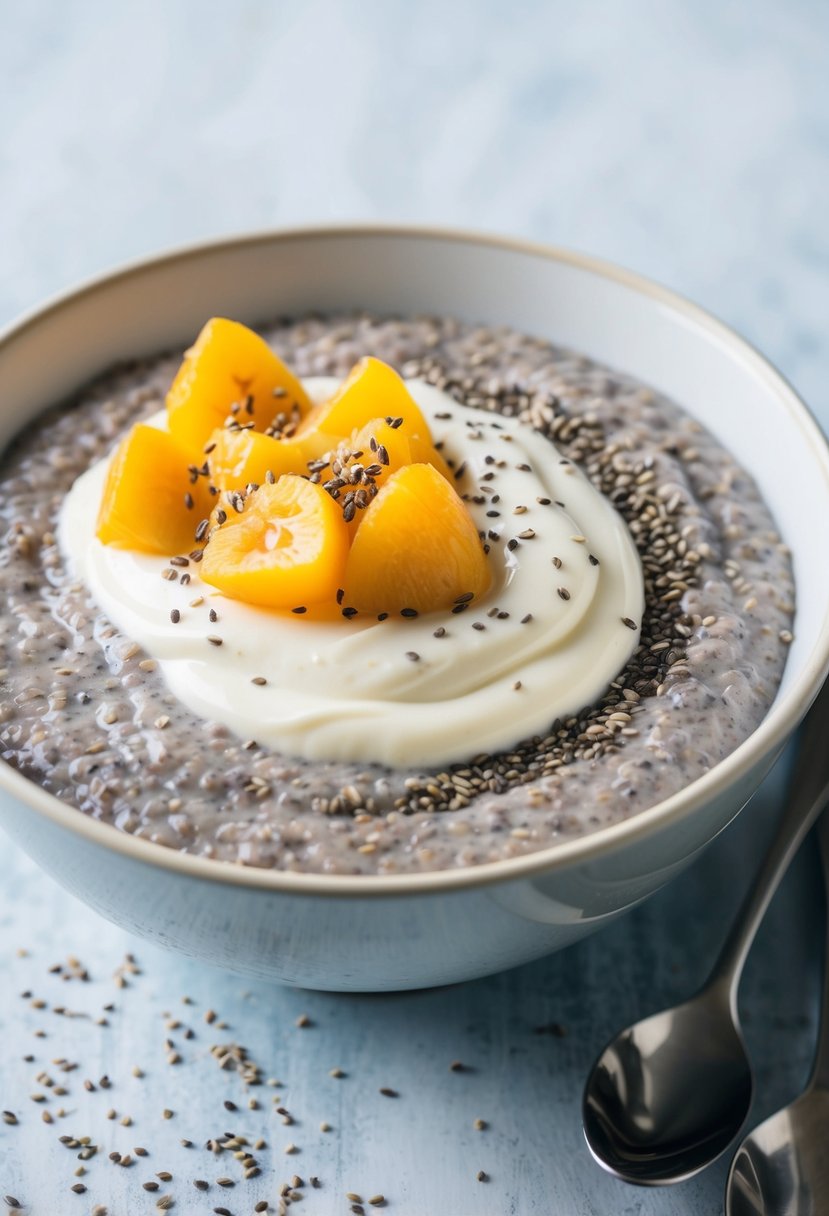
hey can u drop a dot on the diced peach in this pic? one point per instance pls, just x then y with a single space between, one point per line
401 445
147 489
371 390
237 458
384 449
417 547
229 364
425 452
391 451
287 550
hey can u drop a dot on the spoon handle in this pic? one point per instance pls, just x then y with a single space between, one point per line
808 796
820 1071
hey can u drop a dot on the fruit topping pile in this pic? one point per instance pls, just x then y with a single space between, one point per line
342 507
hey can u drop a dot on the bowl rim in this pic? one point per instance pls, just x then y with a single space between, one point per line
766 740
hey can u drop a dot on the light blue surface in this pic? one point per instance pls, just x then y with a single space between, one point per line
689 141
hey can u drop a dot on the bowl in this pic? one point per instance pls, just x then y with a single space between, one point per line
370 934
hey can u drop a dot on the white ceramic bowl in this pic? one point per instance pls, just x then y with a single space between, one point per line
349 933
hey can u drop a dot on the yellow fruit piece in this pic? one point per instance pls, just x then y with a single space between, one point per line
425 452
147 488
384 449
371 390
229 364
287 550
237 458
400 445
417 547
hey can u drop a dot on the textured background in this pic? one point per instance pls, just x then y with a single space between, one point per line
686 140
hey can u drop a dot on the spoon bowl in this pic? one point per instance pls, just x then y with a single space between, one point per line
634 1125
668 1095
783 1166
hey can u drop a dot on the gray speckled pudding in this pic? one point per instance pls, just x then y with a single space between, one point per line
84 713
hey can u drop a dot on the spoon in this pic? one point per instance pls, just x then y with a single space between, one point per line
668 1095
782 1168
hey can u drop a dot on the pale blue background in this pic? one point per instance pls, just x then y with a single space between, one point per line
689 141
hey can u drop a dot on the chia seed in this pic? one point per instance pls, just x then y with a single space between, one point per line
702 678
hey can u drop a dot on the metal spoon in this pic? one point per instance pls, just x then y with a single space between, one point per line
782 1168
668 1095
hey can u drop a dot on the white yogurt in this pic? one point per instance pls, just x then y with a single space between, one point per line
346 689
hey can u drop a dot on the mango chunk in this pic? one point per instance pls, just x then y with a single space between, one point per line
400 445
381 449
229 365
417 547
287 550
237 458
144 505
424 452
371 390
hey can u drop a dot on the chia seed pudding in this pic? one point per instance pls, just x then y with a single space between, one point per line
86 715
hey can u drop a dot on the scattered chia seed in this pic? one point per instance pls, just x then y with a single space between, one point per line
552 1028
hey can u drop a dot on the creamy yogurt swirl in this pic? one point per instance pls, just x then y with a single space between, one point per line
560 621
